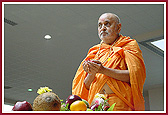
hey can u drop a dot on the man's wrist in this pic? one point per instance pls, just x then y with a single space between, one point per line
102 69
91 74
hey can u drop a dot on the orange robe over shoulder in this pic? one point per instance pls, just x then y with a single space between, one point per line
126 55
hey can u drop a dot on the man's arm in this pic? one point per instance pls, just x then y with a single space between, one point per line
122 75
88 80
90 75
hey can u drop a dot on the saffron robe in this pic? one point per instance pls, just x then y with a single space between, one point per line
125 55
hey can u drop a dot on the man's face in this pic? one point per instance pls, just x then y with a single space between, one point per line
108 28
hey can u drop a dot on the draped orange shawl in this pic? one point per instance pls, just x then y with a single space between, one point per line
126 55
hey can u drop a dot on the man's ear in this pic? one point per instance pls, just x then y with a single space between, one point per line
119 27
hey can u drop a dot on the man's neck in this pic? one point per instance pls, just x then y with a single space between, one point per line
115 40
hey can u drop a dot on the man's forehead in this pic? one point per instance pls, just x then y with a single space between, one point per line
107 16
105 19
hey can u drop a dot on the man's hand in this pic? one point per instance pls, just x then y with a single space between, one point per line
93 66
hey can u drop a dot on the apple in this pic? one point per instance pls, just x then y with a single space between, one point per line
22 106
71 99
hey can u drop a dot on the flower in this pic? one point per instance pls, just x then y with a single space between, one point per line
99 100
100 96
43 90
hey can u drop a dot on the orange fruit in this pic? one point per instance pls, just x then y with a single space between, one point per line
78 106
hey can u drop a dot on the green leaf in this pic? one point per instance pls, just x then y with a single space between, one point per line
96 109
89 109
65 108
105 101
112 107
99 107
67 105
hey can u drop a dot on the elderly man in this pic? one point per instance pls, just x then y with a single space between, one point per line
115 68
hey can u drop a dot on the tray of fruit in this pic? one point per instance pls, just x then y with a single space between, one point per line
49 101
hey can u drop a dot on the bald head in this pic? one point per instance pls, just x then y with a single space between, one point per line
112 16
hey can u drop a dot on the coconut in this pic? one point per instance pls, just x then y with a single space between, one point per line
47 101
